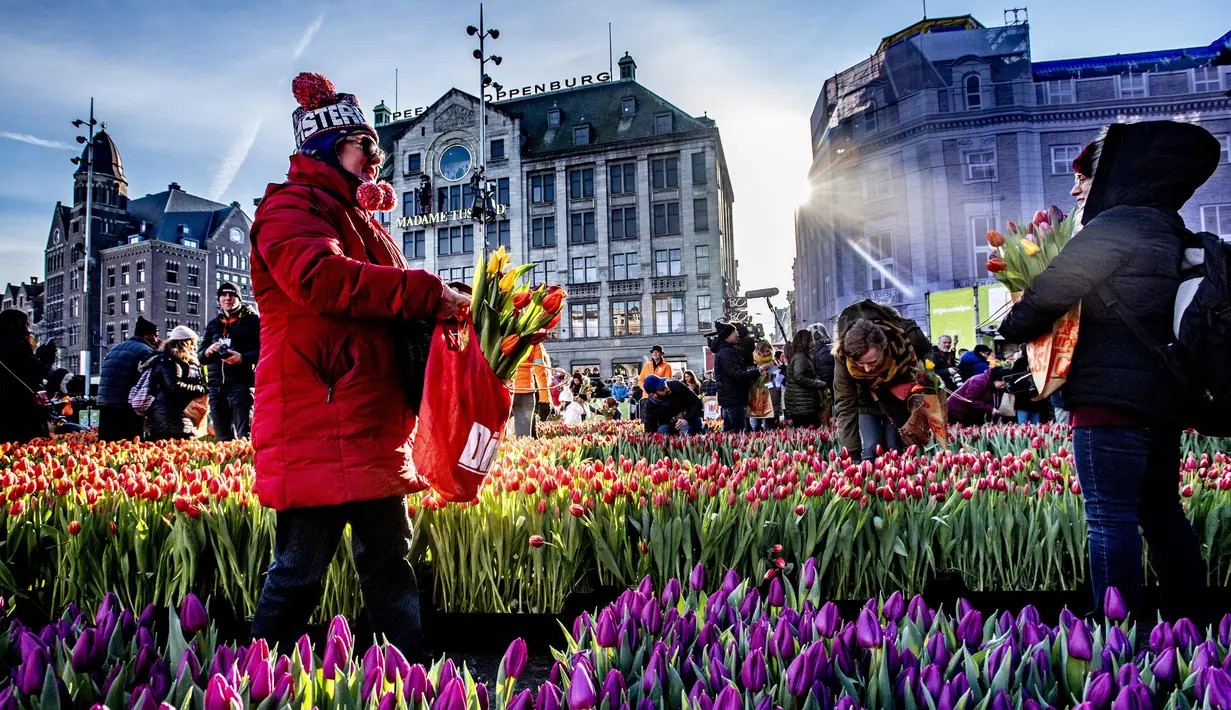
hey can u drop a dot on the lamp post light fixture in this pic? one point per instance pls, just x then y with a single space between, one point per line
87 341
484 207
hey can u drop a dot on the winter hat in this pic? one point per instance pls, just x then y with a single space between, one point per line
144 327
230 288
653 383
323 112
182 332
725 330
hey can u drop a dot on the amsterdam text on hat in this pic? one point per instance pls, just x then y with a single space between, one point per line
322 109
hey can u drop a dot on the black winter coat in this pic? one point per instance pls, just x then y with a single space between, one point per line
682 403
1131 243
806 392
174 384
119 371
244 329
22 418
734 380
823 362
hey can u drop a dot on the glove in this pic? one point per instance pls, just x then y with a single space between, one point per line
916 430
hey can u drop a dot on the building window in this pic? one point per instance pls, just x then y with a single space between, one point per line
585 270
700 215
74 280
502 192
867 119
498 235
497 151
553 118
110 277
705 315
1225 155
170 324
543 273
665 173
414 244
123 332
124 306
543 232
173 301
663 123
410 203
1206 79
580 183
625 318
453 197
979 165
542 188
667 262
194 275
194 303
173 273
457 273
877 183
110 333
584 319
703 259
1216 219
699 175
628 106
124 276
140 272
1060 91
581 228
879 248
581 135
979 227
666 218
624 223
974 93
625 266
110 304
141 301
190 243
669 314
414 163
455 240
623 179
1132 86
1062 157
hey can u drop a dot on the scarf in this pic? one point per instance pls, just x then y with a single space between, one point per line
896 363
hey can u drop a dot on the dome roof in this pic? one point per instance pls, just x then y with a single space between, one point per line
106 157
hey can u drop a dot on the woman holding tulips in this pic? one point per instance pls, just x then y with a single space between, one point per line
1126 412
176 379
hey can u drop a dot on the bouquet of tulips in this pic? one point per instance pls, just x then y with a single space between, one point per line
510 317
1021 255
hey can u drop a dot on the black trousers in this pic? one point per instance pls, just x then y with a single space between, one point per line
119 423
230 411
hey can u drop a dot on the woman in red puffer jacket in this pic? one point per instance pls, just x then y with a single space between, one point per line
331 428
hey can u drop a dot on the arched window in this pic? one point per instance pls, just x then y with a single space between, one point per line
974 94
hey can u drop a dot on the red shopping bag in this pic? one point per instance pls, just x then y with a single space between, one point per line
461 421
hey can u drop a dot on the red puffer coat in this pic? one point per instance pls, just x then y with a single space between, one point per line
330 424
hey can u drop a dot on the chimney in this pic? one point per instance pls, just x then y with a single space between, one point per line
33 279
173 186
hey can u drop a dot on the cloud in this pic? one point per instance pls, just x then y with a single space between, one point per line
307 37
35 140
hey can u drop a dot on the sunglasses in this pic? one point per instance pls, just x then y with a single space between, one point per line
369 146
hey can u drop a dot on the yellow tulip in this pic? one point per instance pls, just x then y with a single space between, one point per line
508 281
1030 247
929 364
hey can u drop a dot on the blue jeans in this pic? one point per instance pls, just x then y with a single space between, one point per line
1129 480
734 419
305 544
1031 417
693 427
760 424
877 429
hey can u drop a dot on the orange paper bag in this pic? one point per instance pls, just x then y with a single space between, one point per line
1051 355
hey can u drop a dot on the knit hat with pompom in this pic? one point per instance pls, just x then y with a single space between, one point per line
324 112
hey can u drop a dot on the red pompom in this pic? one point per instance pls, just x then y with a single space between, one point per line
390 196
370 196
313 91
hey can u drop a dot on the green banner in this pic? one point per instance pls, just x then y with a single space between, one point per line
953 313
993 304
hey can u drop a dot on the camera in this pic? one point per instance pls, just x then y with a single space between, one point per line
749 335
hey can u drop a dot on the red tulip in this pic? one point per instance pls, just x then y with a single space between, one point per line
537 541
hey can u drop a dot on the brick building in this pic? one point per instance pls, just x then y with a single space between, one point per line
26 296
949 130
610 189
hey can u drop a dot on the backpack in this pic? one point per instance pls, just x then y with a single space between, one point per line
1201 326
140 397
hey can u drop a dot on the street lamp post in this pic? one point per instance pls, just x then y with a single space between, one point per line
483 208
86 336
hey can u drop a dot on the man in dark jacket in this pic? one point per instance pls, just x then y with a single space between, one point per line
232 345
709 386
945 361
734 379
116 419
1126 412
671 408
974 362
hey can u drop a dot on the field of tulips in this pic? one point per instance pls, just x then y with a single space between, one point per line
584 508
687 646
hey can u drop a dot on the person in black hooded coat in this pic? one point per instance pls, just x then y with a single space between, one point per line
1126 411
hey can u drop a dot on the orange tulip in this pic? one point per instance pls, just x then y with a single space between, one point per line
520 300
996 239
552 323
509 343
996 265
554 300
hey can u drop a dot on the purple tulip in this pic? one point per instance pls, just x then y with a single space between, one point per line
1218 689
220 695
581 692
765 703
970 629
652 618
938 650
754 674
160 678
480 694
1164 666
1100 690
696 580
688 627
336 658
613 688
894 607
452 696
759 635
285 687
1067 619
107 608
1204 656
1186 633
82 659
846 702
448 671
339 629
908 686
783 640
1224 631
828 621
1128 675
728 699
1028 614
821 670
142 698
261 678
29 675
1133 698
1114 607
514 661
931 681
996 657
521 701
388 702
671 593
777 594
1005 622
1031 704
1000 702
1117 641
868 631
144 664
730 582
919 612
548 697
1030 635
749 605
188 662
417 685
580 624
1161 638
193 618
396 665
799 675
258 655
719 674
1080 642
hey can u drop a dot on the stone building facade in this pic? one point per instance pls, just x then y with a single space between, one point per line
950 130
612 191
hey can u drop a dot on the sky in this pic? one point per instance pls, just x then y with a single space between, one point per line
199 93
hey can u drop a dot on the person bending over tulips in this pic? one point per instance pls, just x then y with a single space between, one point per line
331 428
